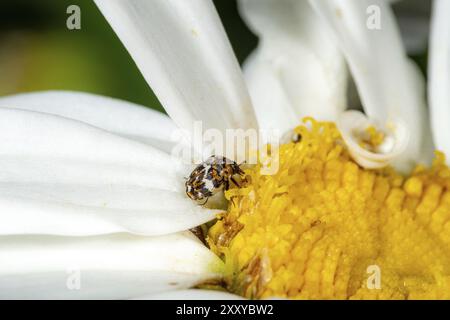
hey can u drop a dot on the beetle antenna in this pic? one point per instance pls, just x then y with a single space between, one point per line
240 164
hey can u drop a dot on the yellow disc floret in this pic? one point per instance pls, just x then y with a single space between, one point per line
324 228
371 138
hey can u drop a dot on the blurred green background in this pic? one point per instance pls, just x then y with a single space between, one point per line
38 52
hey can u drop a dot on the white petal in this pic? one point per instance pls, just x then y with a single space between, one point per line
192 294
439 74
297 70
389 86
121 117
182 51
60 176
273 108
116 266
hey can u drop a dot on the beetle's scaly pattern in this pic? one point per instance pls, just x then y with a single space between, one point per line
211 176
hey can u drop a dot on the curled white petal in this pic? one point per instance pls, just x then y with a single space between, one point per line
118 266
439 74
297 70
388 84
191 294
182 51
352 124
64 177
117 116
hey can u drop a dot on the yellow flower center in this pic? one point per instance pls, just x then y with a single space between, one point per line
324 228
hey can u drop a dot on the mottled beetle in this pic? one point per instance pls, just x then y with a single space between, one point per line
210 176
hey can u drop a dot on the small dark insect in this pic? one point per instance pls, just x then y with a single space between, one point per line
211 176
296 138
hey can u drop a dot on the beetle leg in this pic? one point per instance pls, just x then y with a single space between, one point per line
232 201
235 182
